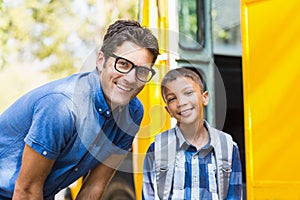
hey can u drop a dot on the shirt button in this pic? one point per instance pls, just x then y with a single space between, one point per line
76 169
45 153
100 109
107 112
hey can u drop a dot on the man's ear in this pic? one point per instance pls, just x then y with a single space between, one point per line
205 98
100 61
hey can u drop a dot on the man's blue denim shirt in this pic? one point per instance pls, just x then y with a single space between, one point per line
69 121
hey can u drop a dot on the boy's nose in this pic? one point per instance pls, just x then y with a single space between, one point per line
181 102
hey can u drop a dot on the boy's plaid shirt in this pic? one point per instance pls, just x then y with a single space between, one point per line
199 174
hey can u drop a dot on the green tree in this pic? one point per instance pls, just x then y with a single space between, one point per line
56 32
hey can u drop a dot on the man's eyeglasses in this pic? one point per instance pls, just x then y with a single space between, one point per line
124 66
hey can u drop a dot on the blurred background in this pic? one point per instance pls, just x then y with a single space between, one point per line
43 40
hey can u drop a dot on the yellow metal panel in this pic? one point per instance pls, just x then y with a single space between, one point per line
156 120
271 50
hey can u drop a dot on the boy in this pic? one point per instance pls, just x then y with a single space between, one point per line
191 160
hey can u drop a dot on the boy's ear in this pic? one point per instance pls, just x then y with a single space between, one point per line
100 61
205 96
166 107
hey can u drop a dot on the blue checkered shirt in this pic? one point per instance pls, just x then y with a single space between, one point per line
200 180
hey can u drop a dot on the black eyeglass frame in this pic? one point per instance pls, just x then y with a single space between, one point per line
152 71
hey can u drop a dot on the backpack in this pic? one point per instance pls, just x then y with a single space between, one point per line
165 159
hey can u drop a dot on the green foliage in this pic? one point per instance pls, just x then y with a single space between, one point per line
58 33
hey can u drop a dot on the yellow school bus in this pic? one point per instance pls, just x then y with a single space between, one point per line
254 92
271 49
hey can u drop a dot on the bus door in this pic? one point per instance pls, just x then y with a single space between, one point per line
271 49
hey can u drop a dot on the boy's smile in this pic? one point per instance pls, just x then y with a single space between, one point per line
186 112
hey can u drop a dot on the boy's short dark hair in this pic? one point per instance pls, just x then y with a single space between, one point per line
188 72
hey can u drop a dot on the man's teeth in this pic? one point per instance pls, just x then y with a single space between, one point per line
124 88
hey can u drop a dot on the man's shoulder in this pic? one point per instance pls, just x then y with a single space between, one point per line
58 86
135 102
135 105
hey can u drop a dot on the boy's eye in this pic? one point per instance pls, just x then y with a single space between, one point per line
189 92
169 100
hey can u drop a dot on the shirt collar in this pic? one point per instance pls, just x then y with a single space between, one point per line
100 102
184 144
214 138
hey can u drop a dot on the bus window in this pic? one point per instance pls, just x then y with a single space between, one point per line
226 27
190 23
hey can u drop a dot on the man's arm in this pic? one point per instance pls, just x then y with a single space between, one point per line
33 173
95 183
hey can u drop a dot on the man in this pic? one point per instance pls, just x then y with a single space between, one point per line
81 124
